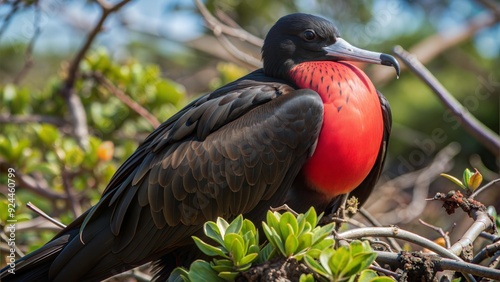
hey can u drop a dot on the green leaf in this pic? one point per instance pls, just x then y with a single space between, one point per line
324 244
212 231
207 249
237 250
227 276
367 275
305 241
222 225
311 217
321 233
387 279
324 259
48 134
248 259
291 244
357 247
288 220
235 226
315 266
306 277
339 260
454 180
230 239
273 238
222 265
357 263
179 274
202 271
466 176
273 219
266 253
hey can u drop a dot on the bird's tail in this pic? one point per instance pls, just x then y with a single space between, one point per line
35 266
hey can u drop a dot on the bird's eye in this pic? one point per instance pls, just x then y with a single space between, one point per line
309 35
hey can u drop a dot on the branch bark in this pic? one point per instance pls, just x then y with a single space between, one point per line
126 99
478 130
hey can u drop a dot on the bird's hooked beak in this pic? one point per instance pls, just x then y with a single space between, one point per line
342 50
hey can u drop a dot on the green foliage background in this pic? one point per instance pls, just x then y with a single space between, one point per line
162 74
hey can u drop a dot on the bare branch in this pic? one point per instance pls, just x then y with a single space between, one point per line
28 54
476 210
44 215
486 252
432 46
36 186
478 130
217 27
419 181
441 264
20 119
6 22
439 230
484 187
376 223
220 31
76 110
126 99
398 233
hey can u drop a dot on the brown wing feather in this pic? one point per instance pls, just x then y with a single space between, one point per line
234 151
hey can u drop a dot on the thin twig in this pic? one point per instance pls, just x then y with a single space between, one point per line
441 264
44 215
126 99
10 15
478 130
484 187
219 27
28 54
395 245
386 272
36 186
439 230
20 119
434 45
396 232
220 31
76 110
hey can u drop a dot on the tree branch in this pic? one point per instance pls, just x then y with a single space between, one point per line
441 264
20 119
34 185
429 48
126 99
478 130
398 233
76 110
28 54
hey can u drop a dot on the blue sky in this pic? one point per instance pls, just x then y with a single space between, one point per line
392 17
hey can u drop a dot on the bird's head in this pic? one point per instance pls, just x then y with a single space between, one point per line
299 37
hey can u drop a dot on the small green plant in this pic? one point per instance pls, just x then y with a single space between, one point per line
237 246
470 180
345 263
295 236
299 237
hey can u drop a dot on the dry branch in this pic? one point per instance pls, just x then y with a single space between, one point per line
126 99
478 130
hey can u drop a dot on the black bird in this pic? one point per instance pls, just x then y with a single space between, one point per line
303 130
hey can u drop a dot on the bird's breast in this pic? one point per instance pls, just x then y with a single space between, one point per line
352 130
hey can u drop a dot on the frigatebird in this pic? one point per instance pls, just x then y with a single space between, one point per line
303 130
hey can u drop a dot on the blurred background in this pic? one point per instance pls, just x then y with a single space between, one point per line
161 55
